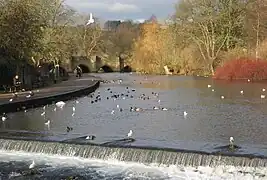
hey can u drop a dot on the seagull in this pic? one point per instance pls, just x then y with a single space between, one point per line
130 133
263 90
4 118
137 109
185 113
112 112
10 100
212 90
31 93
32 165
262 96
47 123
60 104
164 109
92 137
91 20
209 86
222 97
77 102
43 113
73 114
73 109
55 109
28 96
242 92
248 80
118 106
231 142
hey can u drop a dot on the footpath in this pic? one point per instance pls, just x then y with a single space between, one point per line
66 90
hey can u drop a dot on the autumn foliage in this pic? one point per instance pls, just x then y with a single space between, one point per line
157 47
242 69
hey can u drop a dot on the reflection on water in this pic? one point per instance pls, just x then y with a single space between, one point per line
209 123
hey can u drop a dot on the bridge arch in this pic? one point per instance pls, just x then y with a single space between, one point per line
107 69
127 69
82 61
85 68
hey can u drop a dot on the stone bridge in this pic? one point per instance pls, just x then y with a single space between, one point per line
96 64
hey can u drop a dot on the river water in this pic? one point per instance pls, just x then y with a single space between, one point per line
209 123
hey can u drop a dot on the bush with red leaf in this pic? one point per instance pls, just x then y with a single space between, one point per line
240 69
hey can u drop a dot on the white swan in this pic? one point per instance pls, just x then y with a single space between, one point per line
60 104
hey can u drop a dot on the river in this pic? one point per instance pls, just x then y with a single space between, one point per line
210 121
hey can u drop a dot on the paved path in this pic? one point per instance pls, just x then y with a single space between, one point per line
71 85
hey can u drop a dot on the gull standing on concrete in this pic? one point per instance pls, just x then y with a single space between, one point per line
231 139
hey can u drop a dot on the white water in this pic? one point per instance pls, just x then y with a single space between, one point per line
135 170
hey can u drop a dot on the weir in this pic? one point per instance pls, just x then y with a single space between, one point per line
128 154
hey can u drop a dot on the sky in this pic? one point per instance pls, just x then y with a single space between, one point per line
124 9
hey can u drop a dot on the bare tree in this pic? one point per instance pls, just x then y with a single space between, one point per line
256 18
203 22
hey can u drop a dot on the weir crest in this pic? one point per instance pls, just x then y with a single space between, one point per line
127 154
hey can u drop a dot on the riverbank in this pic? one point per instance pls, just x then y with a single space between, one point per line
63 91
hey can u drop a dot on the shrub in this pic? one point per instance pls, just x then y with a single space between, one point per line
242 69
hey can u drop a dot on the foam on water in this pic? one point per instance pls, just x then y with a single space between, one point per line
114 168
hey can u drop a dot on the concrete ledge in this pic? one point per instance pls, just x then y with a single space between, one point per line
44 100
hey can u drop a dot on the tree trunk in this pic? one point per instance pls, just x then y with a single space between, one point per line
257 36
212 69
